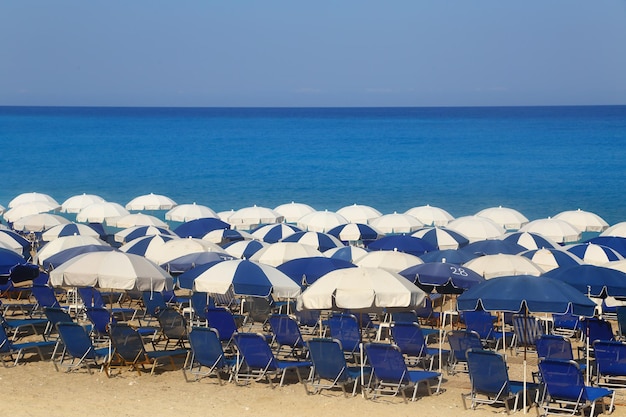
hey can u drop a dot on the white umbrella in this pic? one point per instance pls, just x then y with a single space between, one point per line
390 260
57 245
27 209
187 212
281 252
361 288
176 248
359 213
76 203
150 202
476 228
490 266
550 258
584 221
248 218
396 223
618 229
558 230
293 211
115 270
508 218
136 219
222 236
430 215
224 215
100 212
31 197
321 221
39 222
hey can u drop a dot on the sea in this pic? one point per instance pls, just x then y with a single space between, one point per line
538 160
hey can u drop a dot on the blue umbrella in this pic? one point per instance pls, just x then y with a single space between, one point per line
453 256
200 227
70 253
402 243
24 272
272 233
186 262
445 278
320 241
493 247
8 259
352 232
596 281
616 243
305 271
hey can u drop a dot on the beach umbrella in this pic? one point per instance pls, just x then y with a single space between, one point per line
453 256
244 249
69 229
200 227
136 219
281 252
593 254
476 228
444 277
442 238
65 255
593 280
551 258
402 243
355 232
57 245
617 243
39 222
493 247
11 240
146 246
389 260
557 230
361 289
27 209
619 265
150 202
187 212
395 223
243 278
176 248
26 272
430 215
293 211
346 253
101 212
359 213
248 218
8 259
508 218
78 202
131 233
305 271
618 229
223 236
318 240
490 266
272 233
530 240
186 262
32 197
321 221
115 270
584 221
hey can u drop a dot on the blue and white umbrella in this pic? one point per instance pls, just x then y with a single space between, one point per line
616 243
593 254
346 253
70 229
272 233
442 238
244 249
243 278
551 258
146 245
131 233
200 227
355 232
530 240
66 255
318 240
223 236
186 262
11 240
65 242
402 243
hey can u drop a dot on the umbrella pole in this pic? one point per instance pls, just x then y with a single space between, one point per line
524 333
587 376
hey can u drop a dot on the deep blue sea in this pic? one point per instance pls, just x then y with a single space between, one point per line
538 160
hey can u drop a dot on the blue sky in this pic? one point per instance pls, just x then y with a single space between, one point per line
322 53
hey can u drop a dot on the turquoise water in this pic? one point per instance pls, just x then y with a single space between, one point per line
539 160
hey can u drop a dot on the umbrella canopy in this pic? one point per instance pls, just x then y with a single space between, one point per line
114 270
176 248
318 240
442 238
186 262
402 243
537 294
359 213
150 202
396 223
146 246
530 240
346 253
292 212
584 221
11 240
389 260
243 278
248 218
136 219
618 229
551 258
272 233
76 203
31 197
476 228
593 254
445 277
557 230
200 227
596 281
244 249
223 236
57 245
305 271
490 266
69 229
448 255
321 221
493 247
101 212
8 259
281 252
361 288
616 243
39 222
187 212
65 255
508 218
27 209
355 232
430 215
131 233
